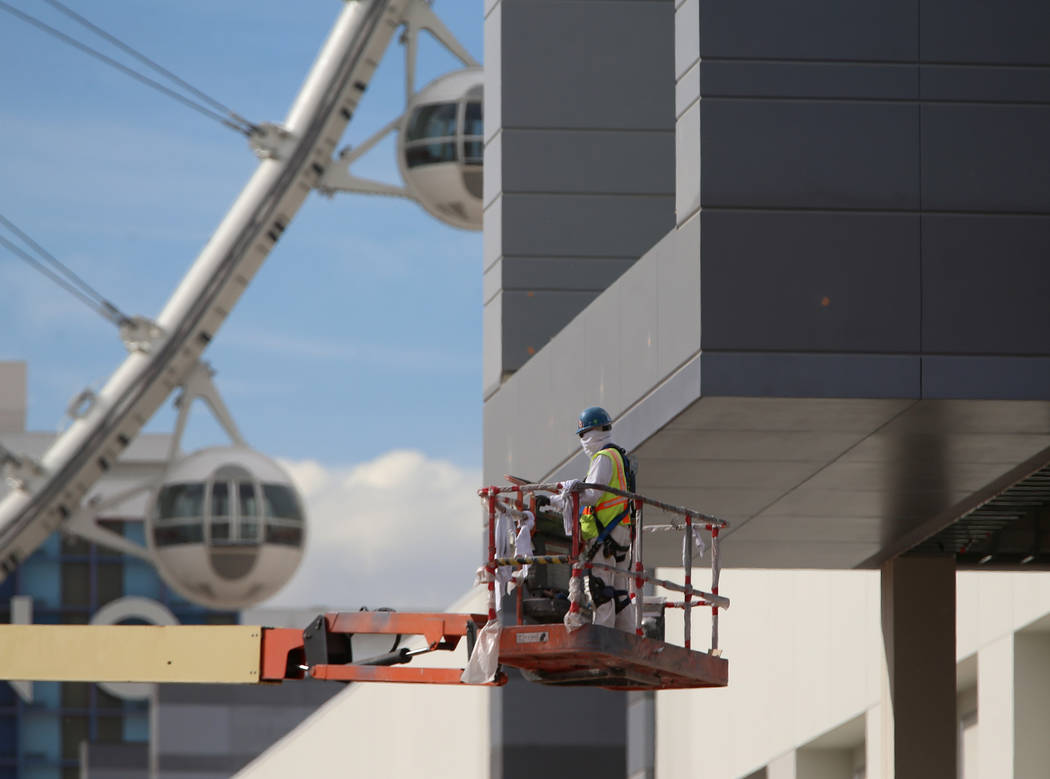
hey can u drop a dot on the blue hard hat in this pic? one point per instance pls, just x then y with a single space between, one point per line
593 417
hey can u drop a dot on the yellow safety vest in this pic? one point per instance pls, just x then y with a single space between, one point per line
609 506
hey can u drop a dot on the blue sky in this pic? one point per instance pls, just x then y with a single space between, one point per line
360 336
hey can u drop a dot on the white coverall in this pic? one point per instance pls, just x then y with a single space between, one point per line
601 472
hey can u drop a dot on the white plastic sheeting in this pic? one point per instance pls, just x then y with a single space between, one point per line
484 660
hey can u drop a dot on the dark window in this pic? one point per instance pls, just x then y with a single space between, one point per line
250 531
246 491
74 730
178 534
76 584
8 738
437 120
429 154
106 701
473 124
219 618
75 695
220 499
109 581
110 729
285 536
473 152
75 546
280 501
180 500
220 531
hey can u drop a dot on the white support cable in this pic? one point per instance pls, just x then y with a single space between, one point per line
233 121
59 273
175 79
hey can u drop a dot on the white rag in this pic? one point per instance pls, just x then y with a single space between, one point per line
576 620
563 501
523 541
698 538
504 529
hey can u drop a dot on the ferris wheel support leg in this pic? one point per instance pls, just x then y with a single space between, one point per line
420 16
198 384
84 522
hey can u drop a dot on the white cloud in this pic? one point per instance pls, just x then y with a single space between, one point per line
402 530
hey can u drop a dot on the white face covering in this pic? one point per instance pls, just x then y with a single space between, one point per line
595 440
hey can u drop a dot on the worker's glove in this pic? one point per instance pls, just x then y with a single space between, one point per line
566 488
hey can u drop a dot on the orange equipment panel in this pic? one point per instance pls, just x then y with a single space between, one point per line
598 656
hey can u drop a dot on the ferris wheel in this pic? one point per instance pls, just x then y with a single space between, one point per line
225 527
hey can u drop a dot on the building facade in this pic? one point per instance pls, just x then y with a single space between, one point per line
833 333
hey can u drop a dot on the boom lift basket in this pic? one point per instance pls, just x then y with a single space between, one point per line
537 641
551 652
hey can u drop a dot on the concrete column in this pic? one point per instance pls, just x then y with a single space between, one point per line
1031 684
995 708
783 767
873 742
918 703
641 735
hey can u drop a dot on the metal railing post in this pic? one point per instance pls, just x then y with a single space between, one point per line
687 563
715 566
576 593
491 565
638 580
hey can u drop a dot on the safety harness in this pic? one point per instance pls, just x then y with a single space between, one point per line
601 592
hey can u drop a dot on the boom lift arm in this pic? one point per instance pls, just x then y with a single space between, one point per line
547 649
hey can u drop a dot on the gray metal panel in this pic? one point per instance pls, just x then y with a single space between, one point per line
536 318
820 29
687 163
567 63
1006 378
492 237
493 57
492 170
986 285
687 90
491 344
809 375
803 154
836 282
1016 32
976 83
808 79
588 161
584 225
592 274
986 158
686 36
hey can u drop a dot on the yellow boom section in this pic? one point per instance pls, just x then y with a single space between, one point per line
131 653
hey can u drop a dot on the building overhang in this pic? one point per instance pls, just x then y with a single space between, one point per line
809 472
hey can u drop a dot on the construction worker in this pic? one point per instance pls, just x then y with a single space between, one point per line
605 522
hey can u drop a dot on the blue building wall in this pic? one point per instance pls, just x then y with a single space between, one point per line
69 580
